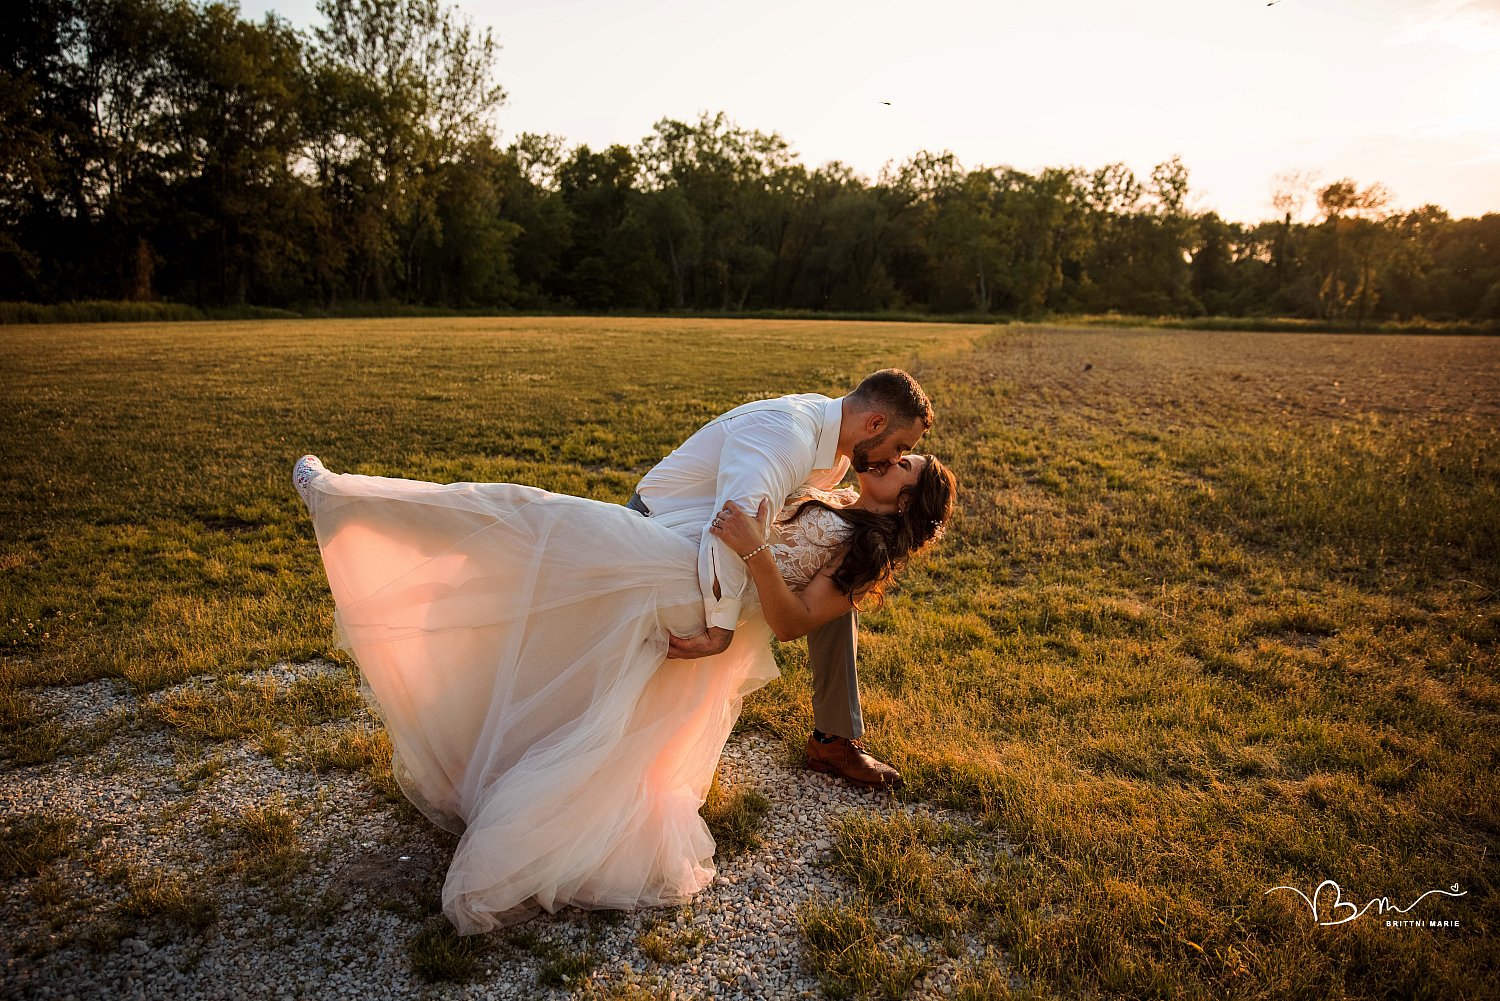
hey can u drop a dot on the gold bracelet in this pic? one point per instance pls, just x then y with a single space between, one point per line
752 552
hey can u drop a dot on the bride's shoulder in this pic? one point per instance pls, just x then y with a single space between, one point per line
838 498
816 523
845 495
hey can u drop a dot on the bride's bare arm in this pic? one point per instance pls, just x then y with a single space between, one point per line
789 614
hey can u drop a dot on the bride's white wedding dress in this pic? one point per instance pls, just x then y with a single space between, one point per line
513 641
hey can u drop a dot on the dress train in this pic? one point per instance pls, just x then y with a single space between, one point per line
513 641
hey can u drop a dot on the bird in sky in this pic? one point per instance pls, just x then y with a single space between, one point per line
886 103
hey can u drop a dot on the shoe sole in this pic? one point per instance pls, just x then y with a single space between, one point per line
819 766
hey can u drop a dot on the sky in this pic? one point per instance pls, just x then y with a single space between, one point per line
1404 93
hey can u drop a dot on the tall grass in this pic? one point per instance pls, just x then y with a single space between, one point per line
149 526
1279 324
115 311
1219 614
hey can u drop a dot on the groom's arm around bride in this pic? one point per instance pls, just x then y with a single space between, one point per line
763 451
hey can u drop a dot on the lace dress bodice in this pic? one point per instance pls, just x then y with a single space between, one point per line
808 543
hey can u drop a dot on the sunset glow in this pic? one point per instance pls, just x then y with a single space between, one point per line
1392 91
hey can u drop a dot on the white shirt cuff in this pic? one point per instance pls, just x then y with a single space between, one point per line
725 614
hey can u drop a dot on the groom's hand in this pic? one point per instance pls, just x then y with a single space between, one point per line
705 644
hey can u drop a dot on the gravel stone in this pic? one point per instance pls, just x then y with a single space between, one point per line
341 927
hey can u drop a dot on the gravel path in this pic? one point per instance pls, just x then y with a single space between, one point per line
332 931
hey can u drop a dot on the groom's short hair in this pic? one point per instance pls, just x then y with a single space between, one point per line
896 394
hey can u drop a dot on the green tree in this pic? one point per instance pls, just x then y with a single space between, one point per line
730 180
231 131
1464 282
915 192
472 264
1212 264
611 261
533 202
122 48
43 122
1414 235
405 86
837 244
1171 237
1351 246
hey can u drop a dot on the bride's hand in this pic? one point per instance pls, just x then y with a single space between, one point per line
737 530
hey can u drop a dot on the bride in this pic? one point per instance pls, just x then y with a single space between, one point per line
514 643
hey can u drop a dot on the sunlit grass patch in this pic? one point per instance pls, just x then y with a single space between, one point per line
986 980
195 765
1364 485
234 707
734 816
570 968
188 635
44 739
269 827
353 747
561 965
852 956
169 898
631 988
941 876
263 842
26 736
661 943
357 746
29 841
158 604
438 953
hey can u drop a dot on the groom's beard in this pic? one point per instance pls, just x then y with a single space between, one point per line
862 449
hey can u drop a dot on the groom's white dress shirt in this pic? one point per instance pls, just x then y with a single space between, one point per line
761 451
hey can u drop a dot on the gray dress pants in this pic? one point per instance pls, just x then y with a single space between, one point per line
831 649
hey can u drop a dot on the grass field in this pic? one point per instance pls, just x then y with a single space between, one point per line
1219 612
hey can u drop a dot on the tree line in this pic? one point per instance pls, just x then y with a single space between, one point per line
170 150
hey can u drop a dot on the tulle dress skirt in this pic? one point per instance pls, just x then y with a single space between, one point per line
513 641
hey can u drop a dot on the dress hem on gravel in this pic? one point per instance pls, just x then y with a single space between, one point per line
513 641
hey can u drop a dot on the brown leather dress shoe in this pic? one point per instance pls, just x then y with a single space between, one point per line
849 760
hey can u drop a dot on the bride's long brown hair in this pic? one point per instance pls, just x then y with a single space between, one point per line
881 544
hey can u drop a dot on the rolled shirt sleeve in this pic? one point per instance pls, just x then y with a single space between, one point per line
765 456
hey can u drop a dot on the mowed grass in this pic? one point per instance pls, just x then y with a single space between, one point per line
150 527
1219 613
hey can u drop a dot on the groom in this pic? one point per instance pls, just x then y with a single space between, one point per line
764 451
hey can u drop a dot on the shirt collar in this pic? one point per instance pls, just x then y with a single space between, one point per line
828 435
